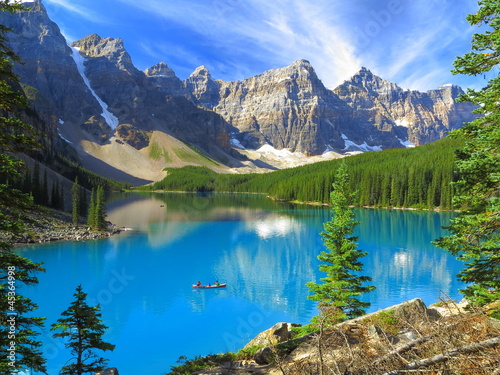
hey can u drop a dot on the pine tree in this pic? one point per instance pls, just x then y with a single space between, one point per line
83 202
18 326
342 286
82 329
100 209
91 218
475 233
75 202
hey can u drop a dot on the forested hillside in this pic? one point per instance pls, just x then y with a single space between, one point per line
419 177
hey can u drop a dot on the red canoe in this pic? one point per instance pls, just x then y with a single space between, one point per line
209 286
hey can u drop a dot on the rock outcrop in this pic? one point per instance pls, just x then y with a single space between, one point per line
394 340
280 332
410 312
407 116
291 108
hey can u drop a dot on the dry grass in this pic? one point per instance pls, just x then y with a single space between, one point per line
463 343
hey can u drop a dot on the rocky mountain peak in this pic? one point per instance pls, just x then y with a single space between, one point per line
302 63
364 74
165 79
201 71
160 70
202 88
300 68
449 89
110 48
33 4
364 80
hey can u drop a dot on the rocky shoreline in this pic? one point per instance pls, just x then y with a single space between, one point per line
50 225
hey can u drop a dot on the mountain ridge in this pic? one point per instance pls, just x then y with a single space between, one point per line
102 105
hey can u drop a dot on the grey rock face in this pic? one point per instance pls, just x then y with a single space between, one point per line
164 78
92 87
291 108
404 115
201 88
92 91
49 68
286 108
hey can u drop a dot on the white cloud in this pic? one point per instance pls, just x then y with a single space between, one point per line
277 32
70 6
409 43
81 10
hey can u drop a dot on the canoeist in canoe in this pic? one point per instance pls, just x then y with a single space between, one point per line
209 286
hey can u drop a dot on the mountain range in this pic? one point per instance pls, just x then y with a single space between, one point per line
97 108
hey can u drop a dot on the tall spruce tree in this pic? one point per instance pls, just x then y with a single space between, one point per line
342 285
100 210
91 217
475 233
82 328
19 348
75 202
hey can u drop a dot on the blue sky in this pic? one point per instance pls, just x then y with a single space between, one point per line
409 42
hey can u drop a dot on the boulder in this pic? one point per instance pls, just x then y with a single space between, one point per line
280 332
411 313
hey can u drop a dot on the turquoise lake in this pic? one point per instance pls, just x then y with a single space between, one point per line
265 251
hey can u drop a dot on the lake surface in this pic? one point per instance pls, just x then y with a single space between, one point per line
265 251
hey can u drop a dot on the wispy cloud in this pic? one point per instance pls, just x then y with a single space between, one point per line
76 8
278 32
69 6
410 43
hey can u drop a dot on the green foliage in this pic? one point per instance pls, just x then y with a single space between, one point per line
386 321
87 179
189 178
305 329
191 154
16 272
82 329
100 209
191 366
91 214
97 209
475 233
390 178
75 202
342 285
248 353
156 152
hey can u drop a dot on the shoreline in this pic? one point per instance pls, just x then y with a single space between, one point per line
310 203
48 225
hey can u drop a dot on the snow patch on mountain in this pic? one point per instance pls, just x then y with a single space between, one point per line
111 119
237 144
351 146
64 139
407 144
403 122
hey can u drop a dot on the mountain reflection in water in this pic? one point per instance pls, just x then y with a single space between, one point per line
264 250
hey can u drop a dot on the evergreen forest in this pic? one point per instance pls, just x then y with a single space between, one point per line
418 178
